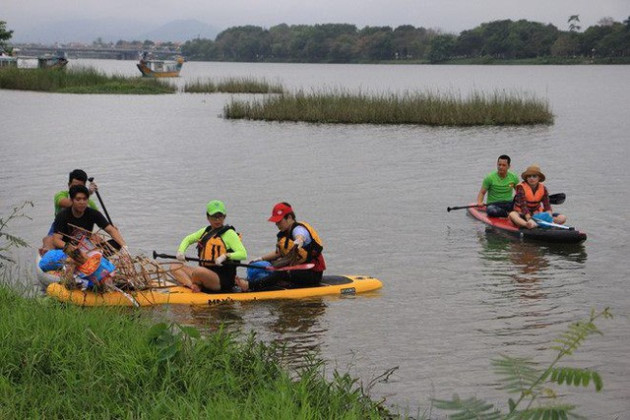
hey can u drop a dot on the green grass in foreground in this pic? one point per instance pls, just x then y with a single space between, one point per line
66 362
235 85
81 80
499 108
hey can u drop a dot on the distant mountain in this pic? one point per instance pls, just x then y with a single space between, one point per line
113 30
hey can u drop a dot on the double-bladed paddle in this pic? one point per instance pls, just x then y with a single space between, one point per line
554 199
307 266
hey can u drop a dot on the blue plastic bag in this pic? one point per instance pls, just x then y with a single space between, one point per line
255 275
543 217
52 260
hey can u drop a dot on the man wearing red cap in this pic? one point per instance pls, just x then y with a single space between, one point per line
298 243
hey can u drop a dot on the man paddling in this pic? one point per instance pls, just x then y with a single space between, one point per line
499 185
62 201
82 216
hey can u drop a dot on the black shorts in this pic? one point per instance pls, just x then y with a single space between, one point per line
226 278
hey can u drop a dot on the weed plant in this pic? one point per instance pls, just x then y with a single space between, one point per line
81 80
233 85
63 361
534 385
500 108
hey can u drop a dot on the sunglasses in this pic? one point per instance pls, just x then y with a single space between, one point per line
217 216
532 176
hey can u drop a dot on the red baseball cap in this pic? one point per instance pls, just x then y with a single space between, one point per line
279 211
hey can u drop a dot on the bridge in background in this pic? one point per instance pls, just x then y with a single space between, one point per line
94 52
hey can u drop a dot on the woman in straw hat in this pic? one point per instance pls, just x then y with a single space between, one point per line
532 199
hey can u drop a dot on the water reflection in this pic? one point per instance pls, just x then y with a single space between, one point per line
297 326
525 281
294 325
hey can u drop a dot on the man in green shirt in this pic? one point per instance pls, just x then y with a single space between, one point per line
499 185
62 200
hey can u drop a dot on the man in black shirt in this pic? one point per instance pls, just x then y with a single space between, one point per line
80 215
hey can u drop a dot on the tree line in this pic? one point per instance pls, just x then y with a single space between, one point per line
345 43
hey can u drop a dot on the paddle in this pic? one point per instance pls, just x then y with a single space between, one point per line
554 199
307 266
464 207
550 224
100 200
557 198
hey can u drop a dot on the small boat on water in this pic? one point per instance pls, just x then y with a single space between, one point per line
7 60
56 61
552 235
159 68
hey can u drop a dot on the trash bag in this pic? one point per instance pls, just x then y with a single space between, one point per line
543 217
52 260
255 275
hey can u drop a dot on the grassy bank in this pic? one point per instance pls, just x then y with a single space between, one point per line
82 80
66 362
233 85
499 108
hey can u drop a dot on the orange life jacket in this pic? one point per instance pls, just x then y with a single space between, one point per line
211 246
308 253
533 201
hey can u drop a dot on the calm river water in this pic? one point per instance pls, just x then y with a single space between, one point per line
454 295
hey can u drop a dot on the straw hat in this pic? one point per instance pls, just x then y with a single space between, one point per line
533 170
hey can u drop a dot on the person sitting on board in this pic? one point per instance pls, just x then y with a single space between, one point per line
499 186
532 199
297 243
217 244
62 201
79 215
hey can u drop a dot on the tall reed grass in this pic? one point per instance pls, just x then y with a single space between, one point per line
80 80
498 108
233 85
66 362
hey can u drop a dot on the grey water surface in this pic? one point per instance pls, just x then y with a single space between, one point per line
455 295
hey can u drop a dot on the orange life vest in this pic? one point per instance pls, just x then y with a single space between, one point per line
533 201
308 253
211 246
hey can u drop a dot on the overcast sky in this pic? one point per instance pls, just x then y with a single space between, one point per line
448 15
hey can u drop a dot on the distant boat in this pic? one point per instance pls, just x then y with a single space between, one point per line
7 60
159 68
50 61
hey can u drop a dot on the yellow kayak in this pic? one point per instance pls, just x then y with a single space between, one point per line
179 295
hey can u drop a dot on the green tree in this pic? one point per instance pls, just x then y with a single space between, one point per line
442 48
375 43
5 35
566 45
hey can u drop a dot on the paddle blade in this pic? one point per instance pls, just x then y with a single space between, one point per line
557 198
292 267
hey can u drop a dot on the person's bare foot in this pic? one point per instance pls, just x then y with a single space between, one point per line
242 283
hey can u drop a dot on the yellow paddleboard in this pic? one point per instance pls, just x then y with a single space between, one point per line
179 295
